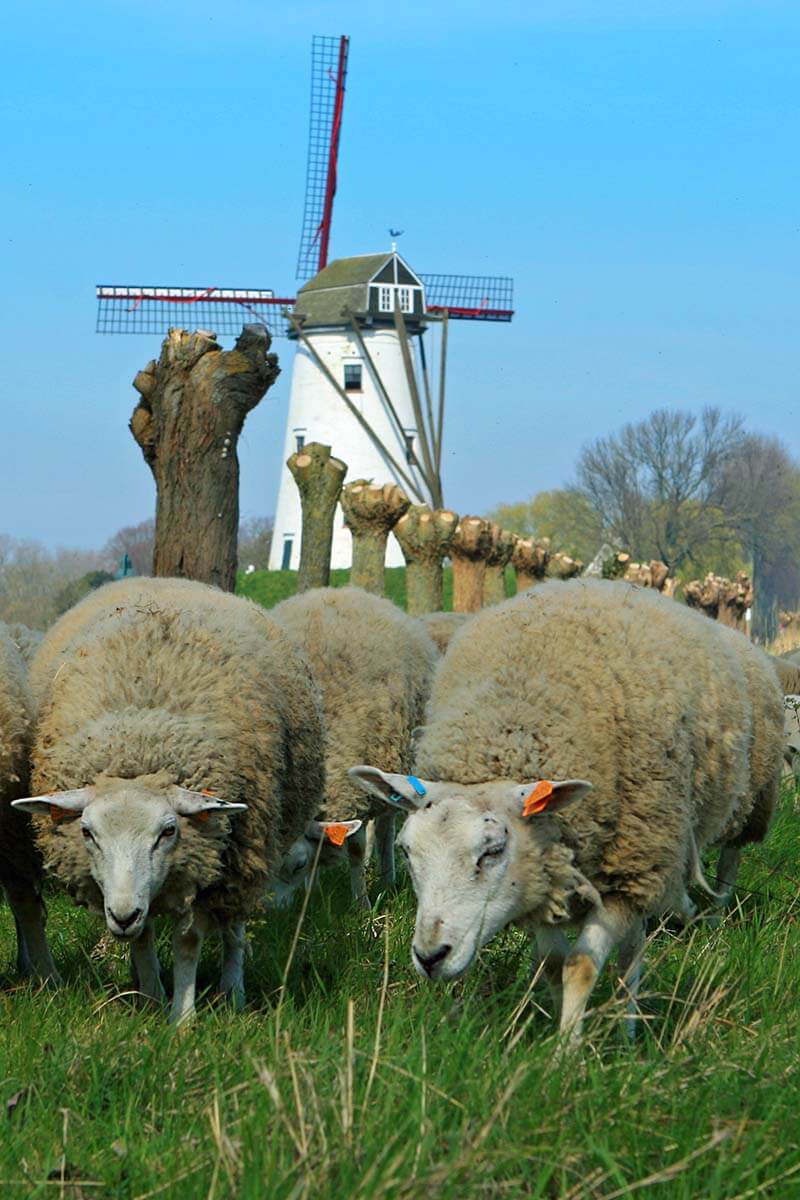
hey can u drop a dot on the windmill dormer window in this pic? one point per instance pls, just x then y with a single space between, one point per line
404 298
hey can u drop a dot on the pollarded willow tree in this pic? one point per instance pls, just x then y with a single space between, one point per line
319 478
425 536
499 556
370 513
469 551
529 560
194 400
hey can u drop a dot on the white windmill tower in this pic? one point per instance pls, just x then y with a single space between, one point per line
357 383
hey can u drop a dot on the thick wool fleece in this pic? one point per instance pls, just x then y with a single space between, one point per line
611 683
175 682
766 752
374 667
26 640
442 626
20 865
788 673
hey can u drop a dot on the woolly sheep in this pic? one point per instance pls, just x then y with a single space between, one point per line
185 733
788 673
583 741
26 640
442 626
374 666
20 865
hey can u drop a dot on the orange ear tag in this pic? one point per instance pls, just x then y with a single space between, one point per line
206 792
58 814
538 799
203 815
336 834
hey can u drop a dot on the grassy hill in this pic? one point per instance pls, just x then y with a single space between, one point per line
270 587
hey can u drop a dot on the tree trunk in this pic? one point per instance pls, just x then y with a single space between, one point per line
561 566
425 536
469 550
193 405
370 513
725 600
494 582
529 559
319 478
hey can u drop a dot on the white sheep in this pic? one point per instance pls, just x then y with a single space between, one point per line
179 752
374 666
583 741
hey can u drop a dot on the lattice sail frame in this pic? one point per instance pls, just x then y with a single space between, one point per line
328 74
222 311
470 297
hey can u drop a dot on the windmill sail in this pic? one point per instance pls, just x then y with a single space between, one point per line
470 297
328 73
141 309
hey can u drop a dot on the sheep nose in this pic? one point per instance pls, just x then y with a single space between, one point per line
429 961
127 920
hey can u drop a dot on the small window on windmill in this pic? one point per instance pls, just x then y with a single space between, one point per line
406 302
286 560
411 457
352 377
300 440
385 299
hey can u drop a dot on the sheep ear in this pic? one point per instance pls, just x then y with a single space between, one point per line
399 791
336 832
58 805
192 804
548 796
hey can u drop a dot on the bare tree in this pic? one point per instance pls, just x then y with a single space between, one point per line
137 541
255 542
33 579
658 486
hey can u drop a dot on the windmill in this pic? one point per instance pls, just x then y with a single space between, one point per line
360 380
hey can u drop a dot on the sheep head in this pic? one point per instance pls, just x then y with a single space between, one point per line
323 844
130 831
477 856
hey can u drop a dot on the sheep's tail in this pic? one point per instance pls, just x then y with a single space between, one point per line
697 874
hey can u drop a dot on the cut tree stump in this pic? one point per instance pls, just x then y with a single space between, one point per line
725 600
620 565
561 566
529 559
425 535
370 513
194 402
319 478
494 581
469 550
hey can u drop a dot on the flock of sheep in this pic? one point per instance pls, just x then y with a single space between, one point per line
174 750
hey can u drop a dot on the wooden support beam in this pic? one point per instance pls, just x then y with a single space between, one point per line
429 472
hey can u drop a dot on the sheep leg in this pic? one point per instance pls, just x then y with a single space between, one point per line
629 962
356 852
187 944
384 845
603 929
231 981
727 870
24 964
553 948
32 948
145 967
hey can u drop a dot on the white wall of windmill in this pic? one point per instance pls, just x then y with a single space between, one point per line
318 414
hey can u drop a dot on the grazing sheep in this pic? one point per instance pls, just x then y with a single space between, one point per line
26 640
374 667
442 626
20 865
178 754
583 741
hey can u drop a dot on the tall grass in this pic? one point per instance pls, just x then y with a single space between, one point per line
347 1076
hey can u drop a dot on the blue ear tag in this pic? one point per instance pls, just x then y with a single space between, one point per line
415 783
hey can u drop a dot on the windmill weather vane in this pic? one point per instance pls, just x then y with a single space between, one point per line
356 384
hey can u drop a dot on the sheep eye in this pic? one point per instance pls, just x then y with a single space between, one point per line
87 837
167 832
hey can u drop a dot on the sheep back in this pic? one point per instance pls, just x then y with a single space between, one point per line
174 682
611 683
374 665
442 626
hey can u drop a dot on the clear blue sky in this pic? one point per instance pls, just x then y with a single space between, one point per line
632 163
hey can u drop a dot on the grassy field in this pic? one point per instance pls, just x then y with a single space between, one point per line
348 1077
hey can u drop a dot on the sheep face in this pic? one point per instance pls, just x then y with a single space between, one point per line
130 832
476 855
323 844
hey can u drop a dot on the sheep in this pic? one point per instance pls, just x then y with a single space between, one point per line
442 626
26 640
179 752
20 865
584 741
374 667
